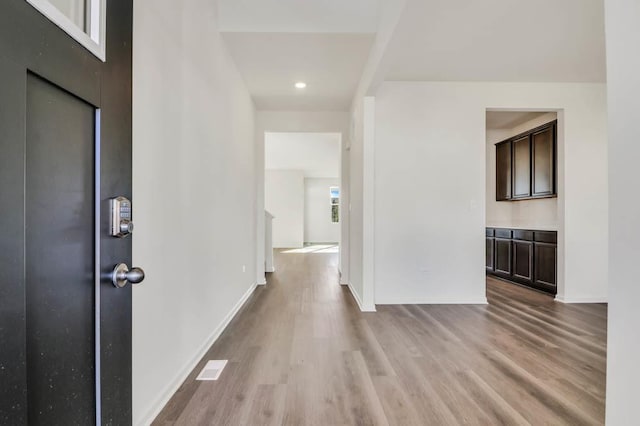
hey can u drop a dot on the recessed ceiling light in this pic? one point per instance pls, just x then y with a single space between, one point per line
301 85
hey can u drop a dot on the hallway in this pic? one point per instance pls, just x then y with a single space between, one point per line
300 352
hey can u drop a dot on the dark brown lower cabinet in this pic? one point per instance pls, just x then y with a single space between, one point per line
527 257
545 268
502 253
523 260
489 253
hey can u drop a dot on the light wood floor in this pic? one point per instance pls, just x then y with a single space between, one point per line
301 353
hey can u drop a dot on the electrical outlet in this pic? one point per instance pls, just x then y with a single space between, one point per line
244 268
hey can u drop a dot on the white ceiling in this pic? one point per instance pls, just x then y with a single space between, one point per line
292 16
316 154
326 43
271 63
499 40
276 43
510 119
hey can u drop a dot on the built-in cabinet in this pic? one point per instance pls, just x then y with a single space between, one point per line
503 171
543 160
521 168
526 165
527 257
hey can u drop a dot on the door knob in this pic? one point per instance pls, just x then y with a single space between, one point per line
122 275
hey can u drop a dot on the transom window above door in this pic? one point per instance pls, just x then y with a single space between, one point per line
83 20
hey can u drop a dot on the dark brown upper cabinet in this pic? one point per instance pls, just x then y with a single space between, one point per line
526 165
503 171
522 167
543 157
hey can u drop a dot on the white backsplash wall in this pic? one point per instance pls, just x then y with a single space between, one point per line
531 214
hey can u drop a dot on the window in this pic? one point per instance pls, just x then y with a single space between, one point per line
335 204
84 20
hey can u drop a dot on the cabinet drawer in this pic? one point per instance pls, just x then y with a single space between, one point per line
490 232
519 234
503 233
546 237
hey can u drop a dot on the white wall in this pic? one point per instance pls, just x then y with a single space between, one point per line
360 159
360 206
430 187
302 121
193 141
532 214
623 71
284 199
318 226
316 154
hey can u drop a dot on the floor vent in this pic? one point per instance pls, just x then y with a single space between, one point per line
212 370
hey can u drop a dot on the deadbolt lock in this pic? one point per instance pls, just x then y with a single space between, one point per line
121 224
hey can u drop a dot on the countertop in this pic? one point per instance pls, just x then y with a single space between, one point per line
526 228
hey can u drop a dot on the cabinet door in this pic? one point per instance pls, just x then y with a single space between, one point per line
489 254
543 151
503 171
545 265
522 167
502 257
523 260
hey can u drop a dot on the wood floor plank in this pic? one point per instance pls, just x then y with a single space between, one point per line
489 400
301 353
267 406
398 408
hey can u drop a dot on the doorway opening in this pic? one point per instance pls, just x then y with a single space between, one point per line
302 190
523 200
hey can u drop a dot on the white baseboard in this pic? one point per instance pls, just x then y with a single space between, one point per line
563 299
363 308
289 246
273 269
173 386
341 278
444 301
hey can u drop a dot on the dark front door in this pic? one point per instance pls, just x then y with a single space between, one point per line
65 150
